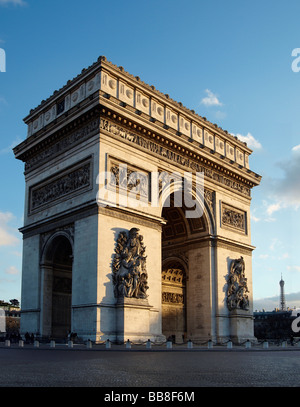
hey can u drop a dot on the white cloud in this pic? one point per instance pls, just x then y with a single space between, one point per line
9 148
284 256
220 115
13 2
270 303
17 253
211 99
296 148
12 270
274 244
7 236
254 218
263 256
284 192
250 140
273 208
291 268
269 220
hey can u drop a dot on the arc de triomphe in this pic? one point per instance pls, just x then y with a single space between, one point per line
109 251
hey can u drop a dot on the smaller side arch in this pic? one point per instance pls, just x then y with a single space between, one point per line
50 245
175 261
174 279
56 285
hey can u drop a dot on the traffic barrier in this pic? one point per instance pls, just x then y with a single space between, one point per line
265 345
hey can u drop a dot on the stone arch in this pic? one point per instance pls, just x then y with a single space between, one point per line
190 239
175 261
56 285
49 241
174 320
204 202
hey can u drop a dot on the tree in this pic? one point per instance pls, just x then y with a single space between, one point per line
14 302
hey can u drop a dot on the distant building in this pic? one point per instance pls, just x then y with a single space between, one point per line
274 325
2 321
10 316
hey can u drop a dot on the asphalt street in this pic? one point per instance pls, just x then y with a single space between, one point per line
63 367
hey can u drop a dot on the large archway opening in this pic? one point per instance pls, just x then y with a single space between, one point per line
181 239
57 288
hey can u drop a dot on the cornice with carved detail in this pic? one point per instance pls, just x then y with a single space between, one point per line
174 152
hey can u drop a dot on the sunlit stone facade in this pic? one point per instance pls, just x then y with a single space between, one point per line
168 275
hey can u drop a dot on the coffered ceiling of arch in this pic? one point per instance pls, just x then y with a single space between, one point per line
178 226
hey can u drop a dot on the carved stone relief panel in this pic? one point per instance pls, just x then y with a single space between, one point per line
127 178
237 293
72 180
130 278
233 218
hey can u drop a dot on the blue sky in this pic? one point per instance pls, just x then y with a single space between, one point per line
229 61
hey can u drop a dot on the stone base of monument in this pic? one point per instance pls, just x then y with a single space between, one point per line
241 326
133 321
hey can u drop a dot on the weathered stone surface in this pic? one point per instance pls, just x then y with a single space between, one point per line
105 121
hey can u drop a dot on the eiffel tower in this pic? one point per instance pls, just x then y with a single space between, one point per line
282 296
